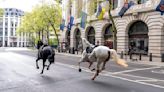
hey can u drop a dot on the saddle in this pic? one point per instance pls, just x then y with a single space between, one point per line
90 49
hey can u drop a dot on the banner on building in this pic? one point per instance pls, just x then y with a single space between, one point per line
83 19
62 25
70 23
125 8
160 7
100 13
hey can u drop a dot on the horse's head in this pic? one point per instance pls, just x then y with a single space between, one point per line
86 43
39 44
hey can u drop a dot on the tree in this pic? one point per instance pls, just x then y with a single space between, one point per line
43 19
113 25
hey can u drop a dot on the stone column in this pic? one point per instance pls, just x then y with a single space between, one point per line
3 31
9 29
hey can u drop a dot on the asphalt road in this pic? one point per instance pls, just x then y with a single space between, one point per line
18 73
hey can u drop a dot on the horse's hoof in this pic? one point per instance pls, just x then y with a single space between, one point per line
37 67
79 70
41 73
93 69
47 68
93 79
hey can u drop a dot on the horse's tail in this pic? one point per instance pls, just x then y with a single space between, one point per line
109 53
117 59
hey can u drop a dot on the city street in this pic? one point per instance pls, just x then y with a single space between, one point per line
18 73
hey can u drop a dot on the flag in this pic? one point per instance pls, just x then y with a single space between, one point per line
100 12
70 23
62 25
83 19
160 7
125 8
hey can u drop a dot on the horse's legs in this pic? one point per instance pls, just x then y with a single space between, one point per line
103 66
44 60
81 60
37 63
98 70
48 66
90 64
79 66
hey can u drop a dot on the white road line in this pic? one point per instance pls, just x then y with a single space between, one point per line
110 75
147 78
126 71
159 71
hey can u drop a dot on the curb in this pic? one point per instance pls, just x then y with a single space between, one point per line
73 55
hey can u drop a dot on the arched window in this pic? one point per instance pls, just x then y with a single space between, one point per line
115 4
91 35
108 37
138 38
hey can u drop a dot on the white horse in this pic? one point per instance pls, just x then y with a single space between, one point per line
100 55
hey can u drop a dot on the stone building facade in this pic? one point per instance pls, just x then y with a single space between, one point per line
141 29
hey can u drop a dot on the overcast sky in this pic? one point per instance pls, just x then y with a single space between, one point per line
25 5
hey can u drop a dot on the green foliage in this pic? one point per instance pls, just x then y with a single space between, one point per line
53 41
42 18
1 11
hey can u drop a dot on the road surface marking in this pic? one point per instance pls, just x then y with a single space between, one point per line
147 78
155 80
110 75
159 71
133 70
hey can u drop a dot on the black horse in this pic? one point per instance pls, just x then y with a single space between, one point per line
45 52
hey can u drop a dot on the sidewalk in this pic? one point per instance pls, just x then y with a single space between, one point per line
143 61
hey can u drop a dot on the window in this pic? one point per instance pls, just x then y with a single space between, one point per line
1 33
11 32
95 4
6 33
115 4
10 9
91 35
141 1
6 23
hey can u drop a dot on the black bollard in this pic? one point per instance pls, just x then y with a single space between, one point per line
77 51
150 57
73 50
162 57
140 56
122 55
130 55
